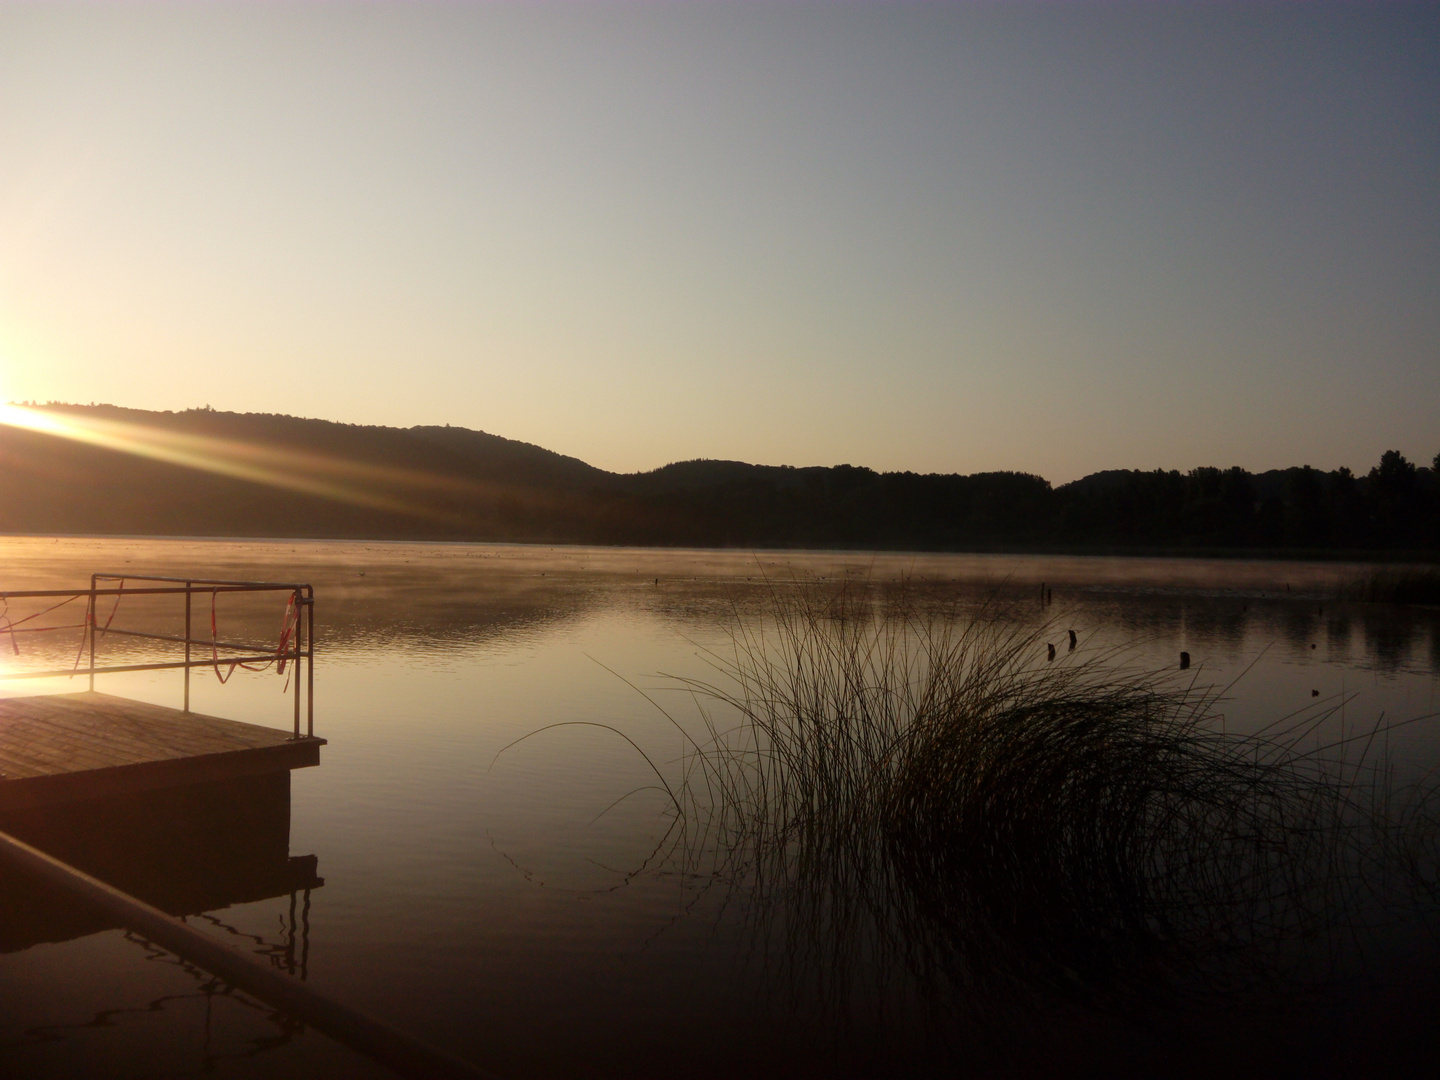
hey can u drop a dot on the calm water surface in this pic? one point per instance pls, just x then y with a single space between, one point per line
501 898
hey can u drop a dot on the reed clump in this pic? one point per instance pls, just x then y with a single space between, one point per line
993 814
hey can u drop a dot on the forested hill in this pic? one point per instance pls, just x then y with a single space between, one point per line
207 473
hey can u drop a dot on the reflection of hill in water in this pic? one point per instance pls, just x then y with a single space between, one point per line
433 597
414 622
1380 636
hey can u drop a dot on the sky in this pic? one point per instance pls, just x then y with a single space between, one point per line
942 237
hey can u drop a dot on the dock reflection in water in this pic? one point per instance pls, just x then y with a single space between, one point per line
185 850
191 851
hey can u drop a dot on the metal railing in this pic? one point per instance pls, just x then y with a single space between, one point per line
294 647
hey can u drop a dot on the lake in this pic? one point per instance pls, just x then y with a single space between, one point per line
497 848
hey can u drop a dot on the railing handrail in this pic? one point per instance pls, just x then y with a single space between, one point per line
199 586
203 581
300 647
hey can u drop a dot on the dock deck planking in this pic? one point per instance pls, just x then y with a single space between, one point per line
67 747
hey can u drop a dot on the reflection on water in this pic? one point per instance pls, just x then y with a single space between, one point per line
489 902
276 1029
188 851
900 797
191 851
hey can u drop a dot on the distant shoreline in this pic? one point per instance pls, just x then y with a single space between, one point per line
1379 557
104 471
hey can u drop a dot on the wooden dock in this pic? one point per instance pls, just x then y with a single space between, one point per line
62 748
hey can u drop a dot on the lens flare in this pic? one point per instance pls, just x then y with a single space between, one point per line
352 482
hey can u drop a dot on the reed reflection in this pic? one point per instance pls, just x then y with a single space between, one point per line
888 792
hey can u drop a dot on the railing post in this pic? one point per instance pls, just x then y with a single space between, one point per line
187 645
296 670
310 666
90 627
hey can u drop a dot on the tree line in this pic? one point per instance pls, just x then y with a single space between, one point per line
295 477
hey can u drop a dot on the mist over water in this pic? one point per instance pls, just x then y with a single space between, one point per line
494 861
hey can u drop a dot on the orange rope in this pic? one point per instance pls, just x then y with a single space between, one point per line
287 629
115 607
37 614
215 644
10 626
89 622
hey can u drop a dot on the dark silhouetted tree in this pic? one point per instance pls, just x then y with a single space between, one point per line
1396 511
